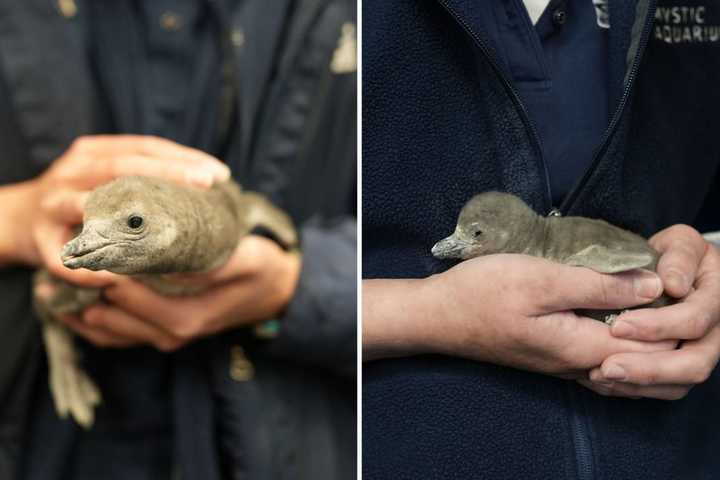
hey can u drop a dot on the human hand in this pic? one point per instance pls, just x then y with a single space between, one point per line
690 270
512 310
58 195
256 284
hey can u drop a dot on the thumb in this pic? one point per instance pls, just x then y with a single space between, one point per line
588 342
571 288
65 206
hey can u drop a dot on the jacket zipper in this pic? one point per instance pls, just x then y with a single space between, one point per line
580 438
534 137
571 197
584 460
578 422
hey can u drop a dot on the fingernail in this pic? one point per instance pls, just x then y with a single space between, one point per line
623 329
200 178
677 280
647 285
44 291
601 383
223 172
215 167
614 372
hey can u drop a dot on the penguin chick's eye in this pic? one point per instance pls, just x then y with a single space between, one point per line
135 222
477 233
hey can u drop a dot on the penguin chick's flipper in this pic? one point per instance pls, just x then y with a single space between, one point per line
261 214
605 260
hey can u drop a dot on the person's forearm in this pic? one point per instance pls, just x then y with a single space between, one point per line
16 202
399 317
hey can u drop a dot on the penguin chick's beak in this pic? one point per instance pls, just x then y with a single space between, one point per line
449 247
83 251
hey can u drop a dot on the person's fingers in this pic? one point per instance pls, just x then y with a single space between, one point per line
49 241
80 277
44 291
122 324
101 154
125 165
141 301
660 392
690 319
565 288
150 146
681 249
184 317
582 343
161 147
97 335
603 389
571 375
247 259
177 316
686 320
65 206
691 364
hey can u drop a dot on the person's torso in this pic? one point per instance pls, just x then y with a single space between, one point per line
440 125
288 130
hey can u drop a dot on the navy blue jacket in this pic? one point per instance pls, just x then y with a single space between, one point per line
442 124
294 140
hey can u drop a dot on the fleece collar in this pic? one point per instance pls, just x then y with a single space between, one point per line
627 19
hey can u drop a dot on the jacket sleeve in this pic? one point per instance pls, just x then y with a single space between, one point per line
319 326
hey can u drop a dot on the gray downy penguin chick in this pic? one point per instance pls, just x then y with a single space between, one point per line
494 222
141 225
146 228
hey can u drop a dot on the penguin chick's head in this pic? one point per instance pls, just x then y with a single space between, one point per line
127 225
488 223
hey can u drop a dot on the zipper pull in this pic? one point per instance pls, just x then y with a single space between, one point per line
555 212
68 8
241 369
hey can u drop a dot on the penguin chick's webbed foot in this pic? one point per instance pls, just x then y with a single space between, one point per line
73 392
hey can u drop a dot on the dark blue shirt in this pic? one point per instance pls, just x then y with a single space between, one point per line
171 30
560 70
158 65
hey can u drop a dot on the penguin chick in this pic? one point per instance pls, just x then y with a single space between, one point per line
141 225
144 227
494 222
